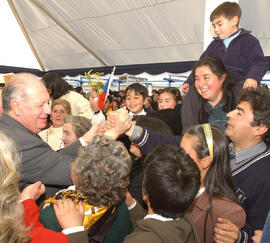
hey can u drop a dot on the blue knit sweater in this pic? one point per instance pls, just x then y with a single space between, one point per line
243 58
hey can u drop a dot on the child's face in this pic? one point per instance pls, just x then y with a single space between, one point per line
166 101
106 105
224 27
134 102
155 97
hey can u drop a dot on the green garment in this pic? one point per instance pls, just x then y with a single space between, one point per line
120 228
217 116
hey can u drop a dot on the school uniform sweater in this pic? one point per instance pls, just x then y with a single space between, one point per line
252 183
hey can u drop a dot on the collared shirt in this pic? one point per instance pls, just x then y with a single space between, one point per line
151 216
228 40
142 113
239 158
158 217
200 192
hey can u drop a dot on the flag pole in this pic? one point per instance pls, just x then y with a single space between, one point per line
110 82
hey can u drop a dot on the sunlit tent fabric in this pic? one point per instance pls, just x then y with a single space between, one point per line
135 36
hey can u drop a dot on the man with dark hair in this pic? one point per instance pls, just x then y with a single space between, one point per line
248 129
170 184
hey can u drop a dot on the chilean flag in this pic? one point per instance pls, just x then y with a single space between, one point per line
106 89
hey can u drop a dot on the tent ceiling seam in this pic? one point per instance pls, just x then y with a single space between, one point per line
151 47
58 23
120 12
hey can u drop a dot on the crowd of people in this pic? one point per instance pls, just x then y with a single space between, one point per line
142 168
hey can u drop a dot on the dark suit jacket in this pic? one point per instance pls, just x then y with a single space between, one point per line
39 161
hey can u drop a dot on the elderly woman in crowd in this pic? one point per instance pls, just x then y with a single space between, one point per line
101 176
53 135
74 128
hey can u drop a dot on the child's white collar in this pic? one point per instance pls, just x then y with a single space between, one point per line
142 113
158 217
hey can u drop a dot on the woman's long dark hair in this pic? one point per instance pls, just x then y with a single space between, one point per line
56 84
218 180
218 68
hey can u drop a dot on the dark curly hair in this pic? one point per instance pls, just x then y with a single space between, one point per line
102 171
259 100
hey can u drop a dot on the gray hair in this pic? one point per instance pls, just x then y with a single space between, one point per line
102 171
80 124
15 88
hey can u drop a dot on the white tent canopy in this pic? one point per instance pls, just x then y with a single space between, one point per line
70 34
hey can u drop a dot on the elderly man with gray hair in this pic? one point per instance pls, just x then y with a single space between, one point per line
25 103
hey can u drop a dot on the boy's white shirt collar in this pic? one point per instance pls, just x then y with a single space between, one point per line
228 40
151 216
161 218
142 113
158 217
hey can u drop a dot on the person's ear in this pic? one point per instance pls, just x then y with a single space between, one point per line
235 20
261 130
49 91
223 77
145 102
146 199
145 196
205 162
15 107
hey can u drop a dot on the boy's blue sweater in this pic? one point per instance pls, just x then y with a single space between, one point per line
243 58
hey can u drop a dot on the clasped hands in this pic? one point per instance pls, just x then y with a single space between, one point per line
119 122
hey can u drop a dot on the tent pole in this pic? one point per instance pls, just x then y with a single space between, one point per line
25 34
45 11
